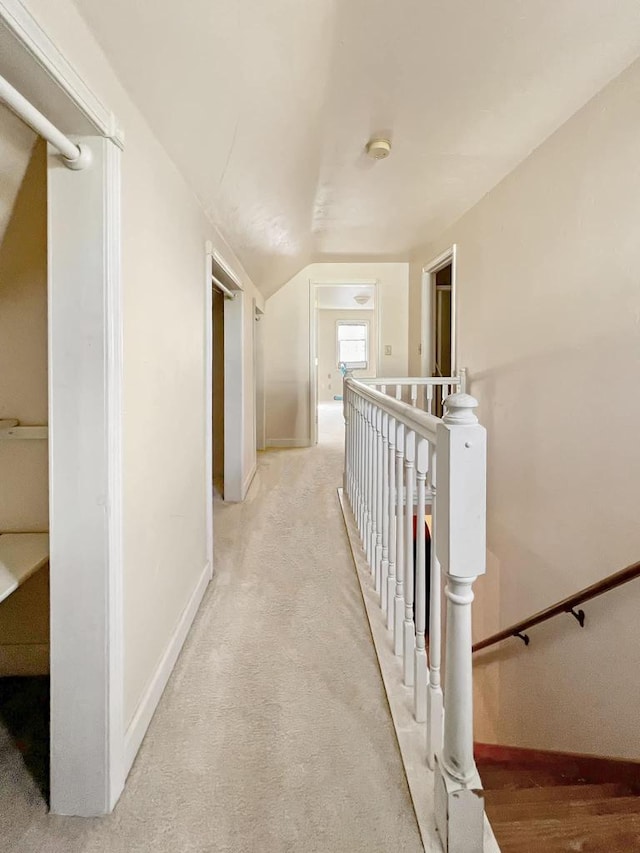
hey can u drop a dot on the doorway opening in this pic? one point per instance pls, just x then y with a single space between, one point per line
259 422
24 462
224 381
217 305
344 336
438 338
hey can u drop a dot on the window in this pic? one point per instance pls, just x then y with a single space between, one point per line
353 344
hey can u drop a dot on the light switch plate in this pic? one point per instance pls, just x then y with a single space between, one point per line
387 349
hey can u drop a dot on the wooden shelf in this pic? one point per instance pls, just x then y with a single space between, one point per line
11 429
21 555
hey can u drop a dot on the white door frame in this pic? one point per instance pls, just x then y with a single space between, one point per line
427 344
236 479
85 429
313 340
258 377
208 402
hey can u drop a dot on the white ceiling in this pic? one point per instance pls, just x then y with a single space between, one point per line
342 296
266 108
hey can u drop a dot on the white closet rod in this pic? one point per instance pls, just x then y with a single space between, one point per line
74 156
228 293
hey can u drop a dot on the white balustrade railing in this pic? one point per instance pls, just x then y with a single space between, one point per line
422 392
400 460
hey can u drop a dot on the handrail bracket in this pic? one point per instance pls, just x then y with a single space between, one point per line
578 615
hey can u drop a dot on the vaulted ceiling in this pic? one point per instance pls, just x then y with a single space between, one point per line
266 107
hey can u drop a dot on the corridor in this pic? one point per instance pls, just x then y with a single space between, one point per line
274 733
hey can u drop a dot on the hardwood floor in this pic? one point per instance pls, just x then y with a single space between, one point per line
560 803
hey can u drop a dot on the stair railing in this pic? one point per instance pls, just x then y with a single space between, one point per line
422 392
566 605
392 453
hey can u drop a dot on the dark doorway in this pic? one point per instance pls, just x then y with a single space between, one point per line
24 722
218 391
442 317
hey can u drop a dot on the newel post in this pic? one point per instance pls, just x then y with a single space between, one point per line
461 551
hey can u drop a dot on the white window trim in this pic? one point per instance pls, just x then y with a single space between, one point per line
353 365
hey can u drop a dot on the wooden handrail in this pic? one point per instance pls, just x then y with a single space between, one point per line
567 605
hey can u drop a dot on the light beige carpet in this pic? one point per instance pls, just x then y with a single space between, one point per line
274 733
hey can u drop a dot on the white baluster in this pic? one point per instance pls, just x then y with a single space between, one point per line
350 433
358 469
353 427
346 475
379 508
398 601
370 476
398 392
435 713
370 433
372 493
420 655
461 543
463 380
376 501
384 559
363 469
383 388
409 633
354 440
414 395
345 419
429 389
354 452
392 502
374 496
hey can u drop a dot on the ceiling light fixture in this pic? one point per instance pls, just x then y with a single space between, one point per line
378 148
362 298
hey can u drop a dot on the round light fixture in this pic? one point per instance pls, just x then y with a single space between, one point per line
378 148
362 298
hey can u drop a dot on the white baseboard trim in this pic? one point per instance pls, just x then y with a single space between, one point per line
249 479
288 442
140 723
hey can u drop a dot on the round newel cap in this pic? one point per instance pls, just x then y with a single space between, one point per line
460 409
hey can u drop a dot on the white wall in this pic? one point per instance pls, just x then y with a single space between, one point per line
163 266
287 339
549 327
329 376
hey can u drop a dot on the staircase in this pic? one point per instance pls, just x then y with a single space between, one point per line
543 802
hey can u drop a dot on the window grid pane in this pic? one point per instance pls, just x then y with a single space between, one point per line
353 351
353 344
352 332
